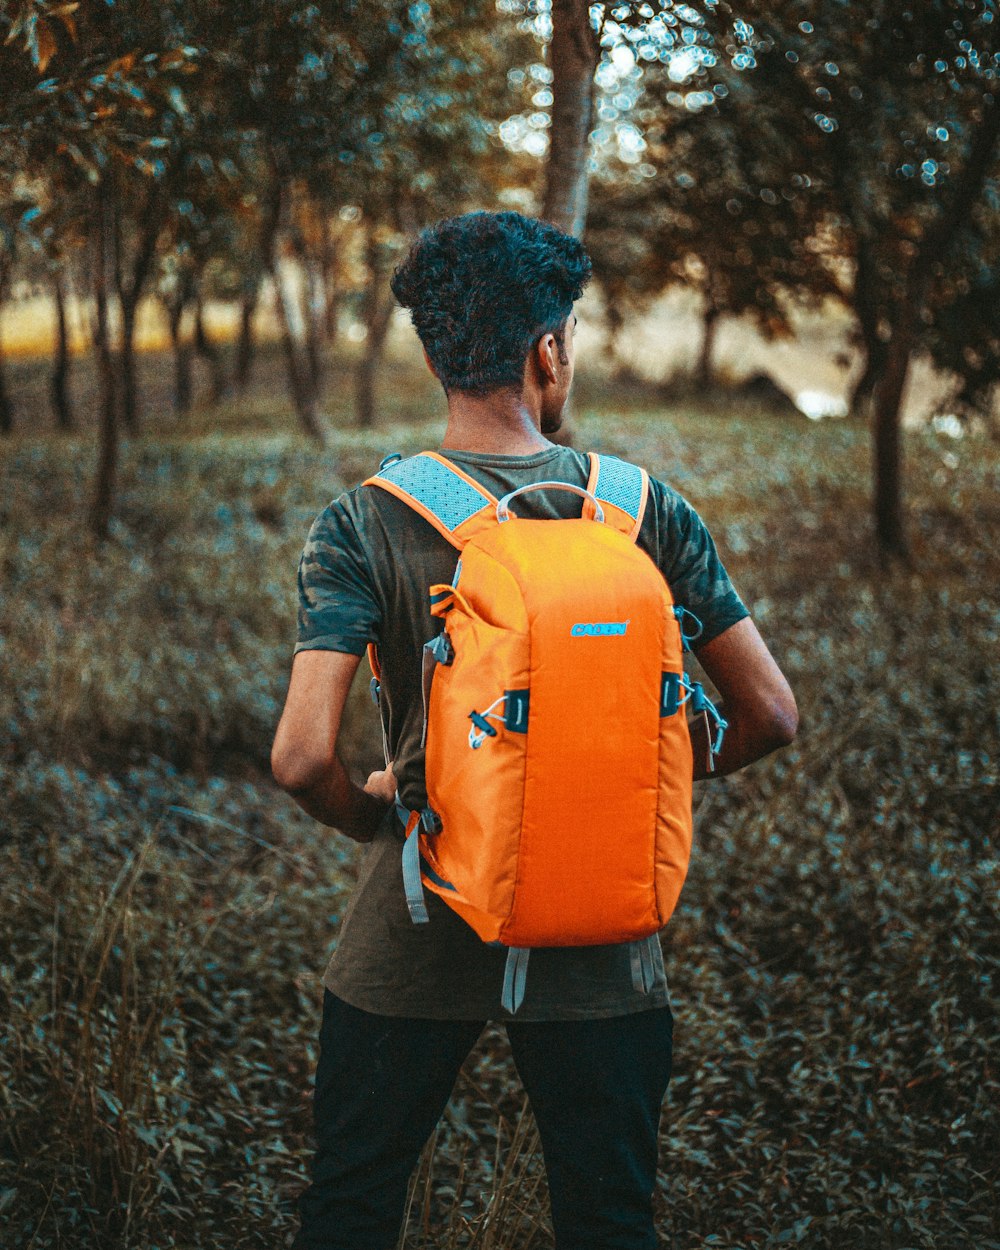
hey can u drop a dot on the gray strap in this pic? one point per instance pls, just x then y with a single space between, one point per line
514 978
427 667
643 968
412 885
635 961
437 651
648 967
376 689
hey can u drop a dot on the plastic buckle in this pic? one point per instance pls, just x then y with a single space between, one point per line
374 686
482 729
441 649
686 639
702 704
431 821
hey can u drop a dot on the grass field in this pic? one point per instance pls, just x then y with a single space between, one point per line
165 913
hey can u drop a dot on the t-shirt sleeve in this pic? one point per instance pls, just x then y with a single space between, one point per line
338 607
690 562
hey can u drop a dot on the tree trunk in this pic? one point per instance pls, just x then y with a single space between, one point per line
107 464
859 404
312 309
130 291
59 385
126 367
6 408
888 392
300 383
574 51
709 323
210 353
369 364
183 385
866 311
328 265
614 323
315 320
245 346
887 435
377 309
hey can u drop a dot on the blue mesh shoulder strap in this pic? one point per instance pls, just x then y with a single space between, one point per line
455 504
622 488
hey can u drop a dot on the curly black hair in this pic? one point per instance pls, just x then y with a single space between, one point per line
483 288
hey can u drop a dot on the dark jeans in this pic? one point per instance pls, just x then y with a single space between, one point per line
383 1082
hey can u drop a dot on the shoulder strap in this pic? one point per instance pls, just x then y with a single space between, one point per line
622 488
454 503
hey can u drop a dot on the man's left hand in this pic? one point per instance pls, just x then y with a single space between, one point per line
382 785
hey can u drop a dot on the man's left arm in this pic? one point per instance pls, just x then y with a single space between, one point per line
757 701
304 757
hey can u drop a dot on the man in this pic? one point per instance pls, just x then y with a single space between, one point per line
491 298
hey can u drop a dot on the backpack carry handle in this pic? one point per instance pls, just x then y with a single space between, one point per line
503 506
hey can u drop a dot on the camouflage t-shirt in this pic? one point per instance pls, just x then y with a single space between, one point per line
363 577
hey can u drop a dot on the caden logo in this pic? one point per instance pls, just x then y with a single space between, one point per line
599 629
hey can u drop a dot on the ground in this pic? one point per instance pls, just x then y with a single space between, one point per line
166 913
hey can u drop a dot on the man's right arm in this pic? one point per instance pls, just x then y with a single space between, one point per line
757 701
304 757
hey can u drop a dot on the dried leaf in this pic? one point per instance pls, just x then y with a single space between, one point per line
46 45
122 65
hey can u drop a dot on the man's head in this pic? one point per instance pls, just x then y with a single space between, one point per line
490 295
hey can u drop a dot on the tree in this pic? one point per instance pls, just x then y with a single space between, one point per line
61 357
720 207
99 120
904 97
102 243
6 268
306 84
965 336
581 39
54 239
573 53
438 153
886 120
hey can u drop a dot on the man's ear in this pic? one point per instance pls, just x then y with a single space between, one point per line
427 359
546 352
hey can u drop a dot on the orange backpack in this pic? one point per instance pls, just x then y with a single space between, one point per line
558 756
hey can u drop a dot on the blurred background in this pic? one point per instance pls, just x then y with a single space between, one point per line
793 211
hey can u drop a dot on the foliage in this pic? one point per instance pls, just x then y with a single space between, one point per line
165 915
965 337
114 89
868 117
215 145
721 202
794 148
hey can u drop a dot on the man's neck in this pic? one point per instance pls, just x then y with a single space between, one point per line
496 424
